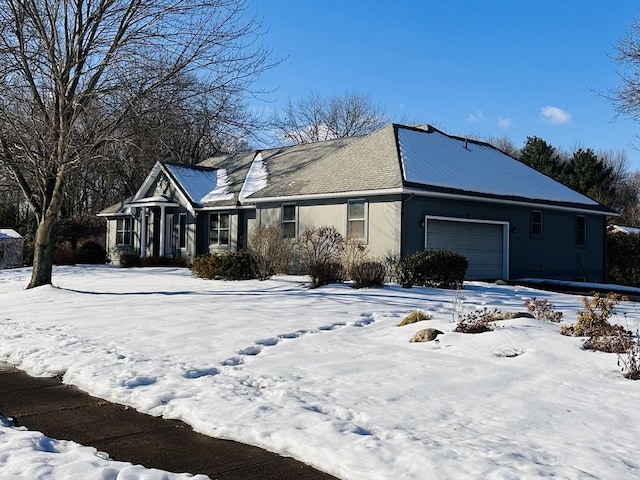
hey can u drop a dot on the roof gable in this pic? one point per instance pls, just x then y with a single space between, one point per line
201 185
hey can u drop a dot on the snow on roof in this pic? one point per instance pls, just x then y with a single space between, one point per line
202 185
9 233
256 179
433 158
624 229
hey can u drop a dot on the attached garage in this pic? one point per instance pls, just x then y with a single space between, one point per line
483 243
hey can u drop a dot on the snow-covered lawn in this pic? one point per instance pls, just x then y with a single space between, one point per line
326 376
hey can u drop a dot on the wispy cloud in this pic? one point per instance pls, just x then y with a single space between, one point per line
504 122
475 116
555 115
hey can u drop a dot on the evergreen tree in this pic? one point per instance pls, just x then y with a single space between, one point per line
540 155
591 176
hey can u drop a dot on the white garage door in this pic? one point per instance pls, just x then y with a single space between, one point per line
481 243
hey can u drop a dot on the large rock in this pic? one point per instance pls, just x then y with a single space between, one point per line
426 335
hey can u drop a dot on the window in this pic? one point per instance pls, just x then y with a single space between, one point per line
581 230
289 221
182 230
219 229
124 231
536 223
356 228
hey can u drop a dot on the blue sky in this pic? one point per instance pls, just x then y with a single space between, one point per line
512 68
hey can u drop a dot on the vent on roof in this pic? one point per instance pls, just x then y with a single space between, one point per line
465 143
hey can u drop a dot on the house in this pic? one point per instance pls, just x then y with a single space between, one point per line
399 190
11 243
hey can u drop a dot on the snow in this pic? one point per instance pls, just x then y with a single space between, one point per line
325 375
202 185
439 160
9 233
256 178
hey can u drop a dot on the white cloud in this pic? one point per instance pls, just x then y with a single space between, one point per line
475 116
504 122
555 115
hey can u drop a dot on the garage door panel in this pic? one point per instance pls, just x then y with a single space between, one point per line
480 243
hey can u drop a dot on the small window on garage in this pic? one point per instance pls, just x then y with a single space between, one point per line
581 231
536 223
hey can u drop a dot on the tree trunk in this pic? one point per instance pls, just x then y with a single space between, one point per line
43 254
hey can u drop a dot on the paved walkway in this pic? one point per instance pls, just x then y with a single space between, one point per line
66 413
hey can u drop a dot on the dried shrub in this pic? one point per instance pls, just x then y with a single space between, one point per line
413 317
432 268
629 361
354 253
593 320
543 310
319 253
368 274
479 321
619 343
272 252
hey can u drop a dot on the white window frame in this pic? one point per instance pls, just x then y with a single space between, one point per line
294 221
124 228
219 229
182 231
364 220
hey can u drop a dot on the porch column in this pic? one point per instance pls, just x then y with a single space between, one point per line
162 230
143 233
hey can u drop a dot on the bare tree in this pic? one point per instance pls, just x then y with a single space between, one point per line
316 118
72 72
626 97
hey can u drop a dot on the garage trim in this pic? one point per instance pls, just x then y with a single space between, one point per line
505 235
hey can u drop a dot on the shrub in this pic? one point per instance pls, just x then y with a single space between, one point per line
354 252
432 268
271 251
64 256
618 343
130 259
593 320
368 274
413 317
542 310
623 259
154 261
92 253
478 322
629 361
239 265
319 251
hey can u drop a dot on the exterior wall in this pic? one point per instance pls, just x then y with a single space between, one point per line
382 215
552 255
11 252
